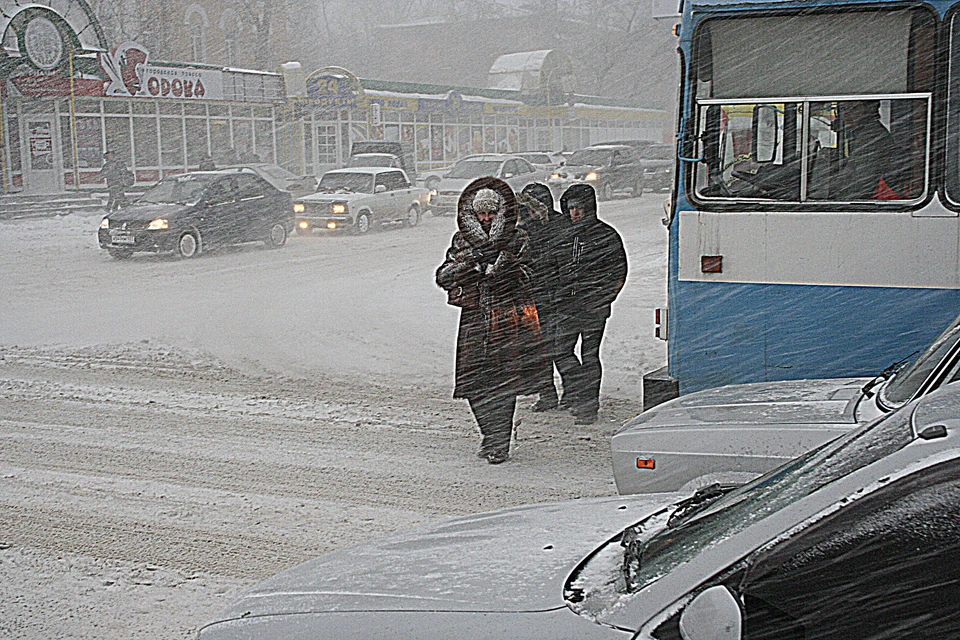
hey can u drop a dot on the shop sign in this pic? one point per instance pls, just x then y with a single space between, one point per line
334 87
129 74
184 84
502 109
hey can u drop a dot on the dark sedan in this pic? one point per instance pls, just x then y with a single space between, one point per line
189 213
608 168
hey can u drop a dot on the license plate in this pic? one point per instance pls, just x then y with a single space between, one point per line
122 238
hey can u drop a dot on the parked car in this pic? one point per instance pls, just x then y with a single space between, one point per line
545 160
281 178
608 168
855 539
401 151
360 198
374 160
735 433
658 162
192 212
512 169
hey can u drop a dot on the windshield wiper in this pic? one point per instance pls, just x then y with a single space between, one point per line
886 374
703 498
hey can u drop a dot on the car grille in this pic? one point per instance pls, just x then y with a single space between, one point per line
450 193
131 225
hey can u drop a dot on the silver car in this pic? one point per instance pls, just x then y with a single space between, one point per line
512 169
855 539
734 433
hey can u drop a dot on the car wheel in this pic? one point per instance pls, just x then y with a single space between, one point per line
120 254
606 193
413 217
189 244
362 224
277 237
638 188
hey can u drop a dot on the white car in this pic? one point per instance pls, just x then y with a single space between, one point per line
359 198
857 539
281 178
512 169
734 433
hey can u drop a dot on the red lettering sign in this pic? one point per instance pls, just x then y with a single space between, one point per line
177 87
153 86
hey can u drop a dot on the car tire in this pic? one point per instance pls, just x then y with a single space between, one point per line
277 236
413 217
120 254
188 246
362 224
638 188
606 191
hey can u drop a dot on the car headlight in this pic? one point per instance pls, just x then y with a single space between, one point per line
298 207
339 208
157 224
592 176
303 224
105 223
554 176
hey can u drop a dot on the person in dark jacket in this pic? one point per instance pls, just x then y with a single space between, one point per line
487 274
870 168
593 270
118 177
546 233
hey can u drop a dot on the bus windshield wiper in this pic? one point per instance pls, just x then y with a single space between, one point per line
886 374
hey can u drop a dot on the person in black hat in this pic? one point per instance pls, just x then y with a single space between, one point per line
546 229
593 270
118 177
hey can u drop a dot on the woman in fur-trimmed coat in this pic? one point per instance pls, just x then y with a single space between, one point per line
499 348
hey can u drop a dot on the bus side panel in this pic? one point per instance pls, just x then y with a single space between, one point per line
725 333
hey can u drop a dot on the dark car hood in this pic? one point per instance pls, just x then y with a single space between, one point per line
799 402
514 560
145 211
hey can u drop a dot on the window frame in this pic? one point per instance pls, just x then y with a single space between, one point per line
700 104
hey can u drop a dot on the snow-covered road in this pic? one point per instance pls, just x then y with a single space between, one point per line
172 431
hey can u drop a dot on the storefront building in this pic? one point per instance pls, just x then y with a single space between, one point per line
66 99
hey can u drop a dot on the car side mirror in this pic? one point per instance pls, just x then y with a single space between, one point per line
713 615
380 188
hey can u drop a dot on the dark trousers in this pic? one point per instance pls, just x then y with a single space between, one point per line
581 377
494 415
548 329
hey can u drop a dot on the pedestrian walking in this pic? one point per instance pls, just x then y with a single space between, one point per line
118 177
593 269
487 274
546 229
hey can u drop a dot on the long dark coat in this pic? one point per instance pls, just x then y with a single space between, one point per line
499 346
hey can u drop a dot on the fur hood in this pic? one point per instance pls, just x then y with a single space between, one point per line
504 224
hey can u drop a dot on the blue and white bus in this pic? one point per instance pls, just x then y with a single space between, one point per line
814 227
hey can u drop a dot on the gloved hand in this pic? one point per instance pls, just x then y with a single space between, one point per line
486 255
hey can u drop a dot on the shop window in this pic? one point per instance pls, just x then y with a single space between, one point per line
171 142
243 140
196 141
193 109
116 106
66 143
145 142
13 139
170 108
89 143
145 107
117 132
223 151
231 26
263 140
